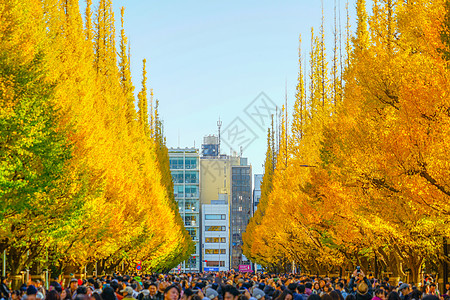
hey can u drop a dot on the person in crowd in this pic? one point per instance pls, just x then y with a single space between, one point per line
212 294
71 289
339 287
31 292
327 288
316 288
378 295
53 295
4 290
172 292
95 296
145 291
230 293
432 290
285 295
361 284
313 296
127 293
258 294
108 293
335 295
301 292
404 291
393 296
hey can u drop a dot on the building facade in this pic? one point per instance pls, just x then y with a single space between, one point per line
216 236
230 176
257 191
241 209
185 169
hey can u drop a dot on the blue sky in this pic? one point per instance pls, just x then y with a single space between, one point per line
210 59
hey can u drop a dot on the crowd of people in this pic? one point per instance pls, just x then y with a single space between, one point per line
225 286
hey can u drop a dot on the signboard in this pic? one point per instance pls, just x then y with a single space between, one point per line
138 266
211 269
245 268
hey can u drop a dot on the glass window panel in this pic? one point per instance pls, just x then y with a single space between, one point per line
177 176
214 217
178 191
191 191
191 205
190 220
176 163
215 251
215 228
191 163
193 232
191 177
214 240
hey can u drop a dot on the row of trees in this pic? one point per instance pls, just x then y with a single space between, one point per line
361 176
84 177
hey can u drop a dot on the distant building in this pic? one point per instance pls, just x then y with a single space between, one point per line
214 195
257 191
228 175
184 166
215 235
241 209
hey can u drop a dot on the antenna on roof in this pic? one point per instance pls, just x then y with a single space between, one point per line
219 124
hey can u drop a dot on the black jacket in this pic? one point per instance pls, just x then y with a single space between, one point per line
4 291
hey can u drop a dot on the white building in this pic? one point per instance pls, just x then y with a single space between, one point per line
216 235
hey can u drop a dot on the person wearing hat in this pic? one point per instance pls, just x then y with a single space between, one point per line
258 294
404 290
211 294
127 292
362 284
71 290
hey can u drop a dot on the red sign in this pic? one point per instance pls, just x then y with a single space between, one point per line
245 268
138 266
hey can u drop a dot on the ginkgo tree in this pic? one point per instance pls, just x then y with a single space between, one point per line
366 178
81 184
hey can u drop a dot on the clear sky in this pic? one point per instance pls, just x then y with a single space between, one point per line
211 59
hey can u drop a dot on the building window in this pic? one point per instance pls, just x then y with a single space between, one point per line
193 233
177 176
191 191
214 240
215 251
190 220
214 217
215 263
191 163
215 228
176 163
190 205
191 177
178 191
